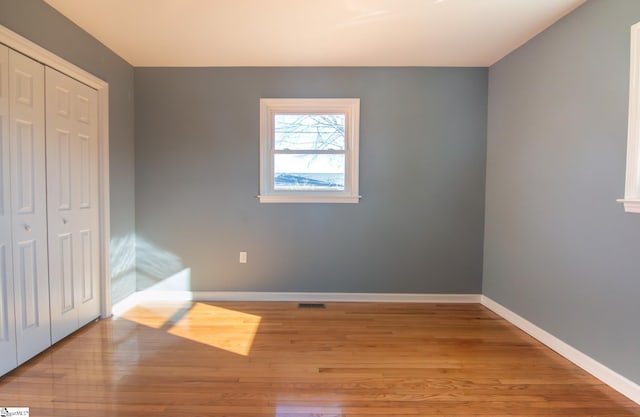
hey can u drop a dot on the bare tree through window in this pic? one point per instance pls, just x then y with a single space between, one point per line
310 151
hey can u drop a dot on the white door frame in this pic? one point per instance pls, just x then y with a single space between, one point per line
36 52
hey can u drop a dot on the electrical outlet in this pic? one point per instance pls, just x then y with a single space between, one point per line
243 257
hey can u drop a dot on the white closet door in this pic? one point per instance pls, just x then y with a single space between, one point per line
8 354
72 201
28 191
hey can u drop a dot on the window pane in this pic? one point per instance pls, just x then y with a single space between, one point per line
309 131
309 172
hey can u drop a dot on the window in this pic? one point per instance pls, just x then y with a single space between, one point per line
632 185
309 150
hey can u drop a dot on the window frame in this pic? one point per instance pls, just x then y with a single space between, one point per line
269 108
631 198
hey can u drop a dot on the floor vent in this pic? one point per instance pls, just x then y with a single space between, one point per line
311 305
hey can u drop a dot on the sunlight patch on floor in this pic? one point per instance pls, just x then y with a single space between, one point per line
215 326
218 327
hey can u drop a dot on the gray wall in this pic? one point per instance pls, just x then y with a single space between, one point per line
559 250
417 229
38 22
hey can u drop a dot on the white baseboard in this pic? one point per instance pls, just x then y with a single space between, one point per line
121 307
335 297
616 381
176 296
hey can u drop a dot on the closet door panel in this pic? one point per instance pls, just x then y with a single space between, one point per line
72 172
85 112
64 312
28 196
8 354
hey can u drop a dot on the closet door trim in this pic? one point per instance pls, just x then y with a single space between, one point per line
36 52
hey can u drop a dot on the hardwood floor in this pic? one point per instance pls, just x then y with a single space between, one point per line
273 359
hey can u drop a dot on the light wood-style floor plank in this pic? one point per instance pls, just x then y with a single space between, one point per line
273 359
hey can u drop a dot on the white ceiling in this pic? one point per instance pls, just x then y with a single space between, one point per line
313 32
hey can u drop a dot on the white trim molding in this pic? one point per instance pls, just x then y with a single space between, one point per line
630 206
36 52
181 296
616 381
308 199
631 198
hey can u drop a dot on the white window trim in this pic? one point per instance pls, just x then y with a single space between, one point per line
631 198
271 106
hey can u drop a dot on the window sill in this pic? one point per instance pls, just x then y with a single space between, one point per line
308 199
630 206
